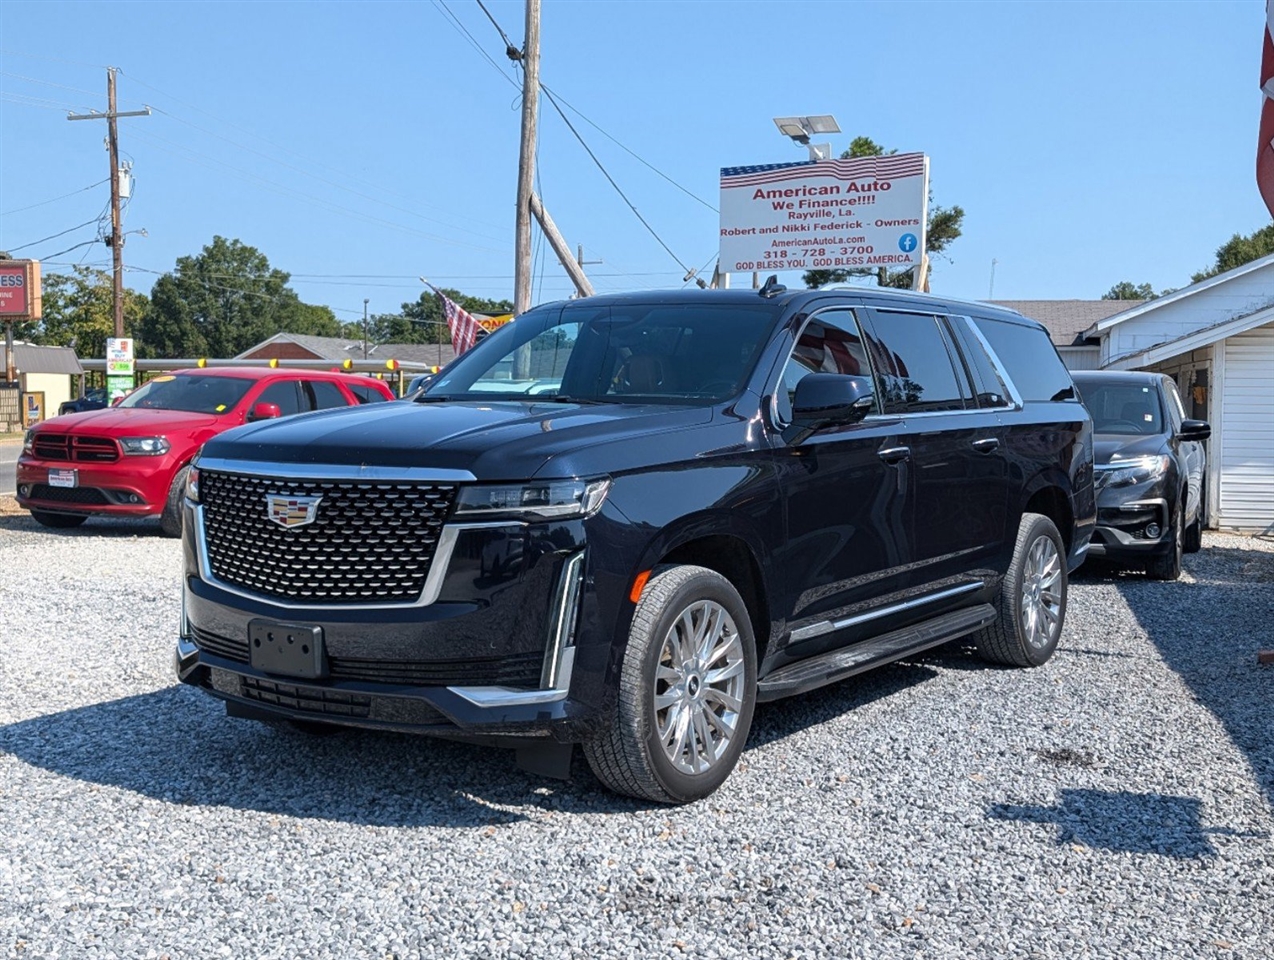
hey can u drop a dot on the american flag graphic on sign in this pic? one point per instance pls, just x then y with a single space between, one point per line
1265 141
464 328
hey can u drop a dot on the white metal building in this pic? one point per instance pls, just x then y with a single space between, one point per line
1216 338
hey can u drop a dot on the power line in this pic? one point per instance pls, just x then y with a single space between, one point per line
637 157
55 236
37 56
606 174
69 249
53 199
457 25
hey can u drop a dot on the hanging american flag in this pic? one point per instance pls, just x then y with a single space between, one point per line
464 328
1265 142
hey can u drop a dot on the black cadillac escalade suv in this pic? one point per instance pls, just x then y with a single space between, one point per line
623 521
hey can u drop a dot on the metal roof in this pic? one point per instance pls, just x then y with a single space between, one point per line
29 358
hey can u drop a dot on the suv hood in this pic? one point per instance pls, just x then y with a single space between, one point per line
136 422
494 440
1121 446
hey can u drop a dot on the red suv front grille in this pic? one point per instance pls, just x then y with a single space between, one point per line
73 449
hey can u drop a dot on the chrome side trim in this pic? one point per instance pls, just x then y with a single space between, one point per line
433 580
561 628
511 696
828 626
330 471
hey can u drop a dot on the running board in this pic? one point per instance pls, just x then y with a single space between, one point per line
838 664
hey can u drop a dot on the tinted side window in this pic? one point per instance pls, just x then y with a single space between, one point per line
989 387
1030 359
829 343
283 395
364 394
917 371
323 394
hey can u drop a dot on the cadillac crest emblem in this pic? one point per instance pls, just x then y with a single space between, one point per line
291 512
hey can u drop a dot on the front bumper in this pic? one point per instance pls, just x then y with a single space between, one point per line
486 656
1132 530
132 486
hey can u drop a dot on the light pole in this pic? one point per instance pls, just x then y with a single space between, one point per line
365 301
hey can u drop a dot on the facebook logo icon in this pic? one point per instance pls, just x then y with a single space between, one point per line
907 242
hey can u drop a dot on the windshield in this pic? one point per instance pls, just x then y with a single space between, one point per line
629 352
195 394
1126 408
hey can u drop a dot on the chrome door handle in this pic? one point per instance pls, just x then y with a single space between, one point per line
894 454
986 446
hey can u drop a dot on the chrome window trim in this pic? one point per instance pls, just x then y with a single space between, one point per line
438 566
1014 394
829 626
327 471
817 310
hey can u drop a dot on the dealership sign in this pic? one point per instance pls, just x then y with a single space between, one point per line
19 289
863 213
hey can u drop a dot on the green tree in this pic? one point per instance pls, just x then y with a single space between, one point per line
78 309
1239 250
223 301
945 226
1126 290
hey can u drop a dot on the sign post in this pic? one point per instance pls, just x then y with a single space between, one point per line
119 367
858 214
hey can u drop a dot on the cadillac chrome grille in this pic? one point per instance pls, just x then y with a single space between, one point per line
370 542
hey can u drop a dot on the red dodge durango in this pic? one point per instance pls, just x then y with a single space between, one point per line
130 460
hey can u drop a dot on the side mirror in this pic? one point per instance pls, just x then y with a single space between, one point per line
1194 430
265 411
827 400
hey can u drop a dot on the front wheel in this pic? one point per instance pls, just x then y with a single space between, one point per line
1168 567
686 694
1031 607
170 519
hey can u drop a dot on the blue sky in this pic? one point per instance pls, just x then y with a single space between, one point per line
359 145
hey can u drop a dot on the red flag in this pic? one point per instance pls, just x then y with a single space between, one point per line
464 328
1265 141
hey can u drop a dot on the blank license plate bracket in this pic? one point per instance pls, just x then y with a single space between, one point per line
287 649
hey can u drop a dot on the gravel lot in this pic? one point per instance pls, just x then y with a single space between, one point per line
1118 802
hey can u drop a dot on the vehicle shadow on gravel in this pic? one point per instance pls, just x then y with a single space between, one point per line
177 746
1122 822
1208 632
93 527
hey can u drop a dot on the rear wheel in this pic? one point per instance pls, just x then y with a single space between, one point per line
686 694
170 519
58 521
1032 603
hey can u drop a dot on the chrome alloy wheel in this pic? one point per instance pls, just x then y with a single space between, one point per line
1041 610
699 687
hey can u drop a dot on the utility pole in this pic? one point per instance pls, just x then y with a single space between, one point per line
117 236
365 301
990 293
526 158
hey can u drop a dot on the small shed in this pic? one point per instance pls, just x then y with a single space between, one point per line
45 378
1216 338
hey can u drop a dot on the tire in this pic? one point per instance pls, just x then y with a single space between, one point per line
665 688
170 519
1031 607
1169 567
57 521
1192 541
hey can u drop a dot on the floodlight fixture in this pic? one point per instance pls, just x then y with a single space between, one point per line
800 129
